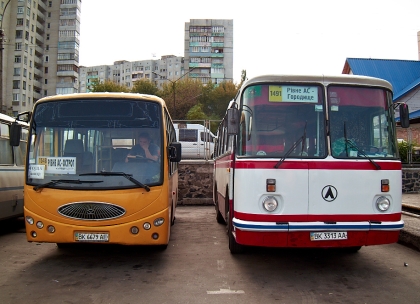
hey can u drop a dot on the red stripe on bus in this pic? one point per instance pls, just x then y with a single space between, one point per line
318 217
319 165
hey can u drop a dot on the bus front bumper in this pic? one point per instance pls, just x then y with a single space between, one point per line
316 234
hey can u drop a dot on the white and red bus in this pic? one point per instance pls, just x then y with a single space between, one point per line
309 161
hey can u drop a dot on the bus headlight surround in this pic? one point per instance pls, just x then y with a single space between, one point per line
383 203
270 203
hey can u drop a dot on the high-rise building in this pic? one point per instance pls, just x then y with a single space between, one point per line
208 53
40 51
127 72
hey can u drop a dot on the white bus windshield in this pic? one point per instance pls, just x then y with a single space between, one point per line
279 119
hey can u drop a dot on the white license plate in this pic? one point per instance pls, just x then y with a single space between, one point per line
328 236
91 237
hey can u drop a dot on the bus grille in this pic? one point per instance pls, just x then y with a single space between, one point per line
93 211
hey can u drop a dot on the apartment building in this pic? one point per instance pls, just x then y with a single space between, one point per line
126 73
208 53
40 54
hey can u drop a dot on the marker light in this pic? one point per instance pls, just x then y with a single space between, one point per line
147 226
271 185
155 236
134 230
40 225
270 203
383 203
385 185
51 229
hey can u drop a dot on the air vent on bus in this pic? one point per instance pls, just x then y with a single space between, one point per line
94 211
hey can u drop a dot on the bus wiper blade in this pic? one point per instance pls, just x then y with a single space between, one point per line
361 152
64 181
302 140
127 176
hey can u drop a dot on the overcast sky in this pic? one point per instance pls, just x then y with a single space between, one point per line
296 37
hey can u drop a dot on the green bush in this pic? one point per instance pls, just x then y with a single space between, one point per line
403 148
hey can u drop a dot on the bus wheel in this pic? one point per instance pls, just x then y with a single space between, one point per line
234 247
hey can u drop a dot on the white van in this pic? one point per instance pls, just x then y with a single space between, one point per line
196 141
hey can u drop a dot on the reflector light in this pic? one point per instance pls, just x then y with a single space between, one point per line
33 234
155 236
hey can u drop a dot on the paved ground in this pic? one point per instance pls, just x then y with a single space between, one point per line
410 235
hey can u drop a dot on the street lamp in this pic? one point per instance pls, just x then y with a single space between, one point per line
173 86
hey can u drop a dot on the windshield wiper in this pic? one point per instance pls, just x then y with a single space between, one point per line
302 140
64 181
361 152
127 176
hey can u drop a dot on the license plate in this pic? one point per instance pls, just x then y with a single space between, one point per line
328 236
91 237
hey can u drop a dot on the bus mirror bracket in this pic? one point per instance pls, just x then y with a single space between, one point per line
14 134
233 121
24 116
174 152
404 115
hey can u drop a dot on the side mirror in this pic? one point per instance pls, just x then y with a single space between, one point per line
232 121
174 152
24 116
404 115
14 134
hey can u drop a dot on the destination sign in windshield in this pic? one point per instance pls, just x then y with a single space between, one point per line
282 93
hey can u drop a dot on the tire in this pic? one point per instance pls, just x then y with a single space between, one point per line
234 247
172 214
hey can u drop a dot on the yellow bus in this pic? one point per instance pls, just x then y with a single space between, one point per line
102 168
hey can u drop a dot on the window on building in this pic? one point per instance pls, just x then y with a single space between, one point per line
16 84
24 72
49 3
46 81
27 35
19 21
18 46
46 70
16 96
47 47
48 25
24 85
46 58
49 15
19 34
48 36
16 72
20 10
18 59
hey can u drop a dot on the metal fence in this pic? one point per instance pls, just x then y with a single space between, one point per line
197 138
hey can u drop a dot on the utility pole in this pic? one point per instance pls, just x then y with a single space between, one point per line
173 88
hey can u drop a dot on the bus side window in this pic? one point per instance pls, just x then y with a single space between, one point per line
5 148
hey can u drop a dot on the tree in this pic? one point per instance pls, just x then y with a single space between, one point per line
196 113
220 98
144 86
107 86
181 96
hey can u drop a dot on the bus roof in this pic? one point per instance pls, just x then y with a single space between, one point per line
324 79
103 95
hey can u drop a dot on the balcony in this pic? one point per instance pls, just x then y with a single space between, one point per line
39 38
68 74
42 6
38 73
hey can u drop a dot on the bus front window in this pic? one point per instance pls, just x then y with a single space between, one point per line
101 141
361 123
282 119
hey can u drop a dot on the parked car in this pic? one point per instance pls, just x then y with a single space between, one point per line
197 141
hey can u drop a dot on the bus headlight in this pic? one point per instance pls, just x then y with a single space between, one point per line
383 203
147 226
158 222
270 203
29 220
40 224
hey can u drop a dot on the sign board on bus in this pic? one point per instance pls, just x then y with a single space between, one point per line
282 93
61 165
